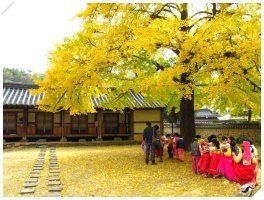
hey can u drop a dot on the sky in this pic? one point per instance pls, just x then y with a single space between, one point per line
30 28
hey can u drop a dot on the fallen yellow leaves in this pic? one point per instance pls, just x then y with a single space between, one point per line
108 171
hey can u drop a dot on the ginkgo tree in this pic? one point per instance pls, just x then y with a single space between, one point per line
185 61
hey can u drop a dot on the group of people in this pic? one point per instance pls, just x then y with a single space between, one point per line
209 156
212 158
176 145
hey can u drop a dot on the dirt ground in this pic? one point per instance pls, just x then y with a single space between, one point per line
112 171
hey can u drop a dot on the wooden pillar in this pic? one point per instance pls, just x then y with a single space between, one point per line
25 123
131 125
63 130
161 121
99 125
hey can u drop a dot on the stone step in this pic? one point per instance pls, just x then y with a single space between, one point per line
37 168
55 189
27 190
54 183
55 195
54 179
54 171
35 172
54 168
32 180
34 176
26 185
53 174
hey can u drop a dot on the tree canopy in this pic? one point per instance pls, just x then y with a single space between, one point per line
162 52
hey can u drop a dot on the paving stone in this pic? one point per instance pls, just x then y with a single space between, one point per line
33 180
55 195
54 168
53 174
27 190
38 171
55 189
54 183
54 163
54 171
37 168
34 176
35 172
54 179
26 185
38 165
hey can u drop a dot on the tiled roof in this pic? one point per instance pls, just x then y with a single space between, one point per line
206 113
18 95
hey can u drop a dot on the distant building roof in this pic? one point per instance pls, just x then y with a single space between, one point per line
18 95
206 114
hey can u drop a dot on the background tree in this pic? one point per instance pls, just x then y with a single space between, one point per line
214 59
14 75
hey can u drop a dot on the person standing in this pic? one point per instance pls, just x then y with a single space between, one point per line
215 158
170 146
180 146
149 131
225 165
159 146
196 156
244 167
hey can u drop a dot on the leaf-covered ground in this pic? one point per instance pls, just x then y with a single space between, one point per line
107 171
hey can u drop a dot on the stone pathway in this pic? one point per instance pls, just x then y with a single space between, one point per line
54 175
54 183
31 183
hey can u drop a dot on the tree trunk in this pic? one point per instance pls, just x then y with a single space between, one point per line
187 125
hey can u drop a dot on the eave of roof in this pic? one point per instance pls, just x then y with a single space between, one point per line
18 95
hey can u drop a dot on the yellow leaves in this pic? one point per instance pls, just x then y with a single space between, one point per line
122 45
114 171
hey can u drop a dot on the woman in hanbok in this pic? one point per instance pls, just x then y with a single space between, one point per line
215 158
225 165
180 147
244 167
205 158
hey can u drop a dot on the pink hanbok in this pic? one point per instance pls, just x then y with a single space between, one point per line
226 167
174 150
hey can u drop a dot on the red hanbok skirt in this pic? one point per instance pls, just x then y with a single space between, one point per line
205 163
180 153
245 173
215 157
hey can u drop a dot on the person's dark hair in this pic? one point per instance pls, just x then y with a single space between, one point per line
176 134
198 136
249 140
224 138
231 138
148 123
234 148
213 136
156 127
180 135
209 138
233 143
216 143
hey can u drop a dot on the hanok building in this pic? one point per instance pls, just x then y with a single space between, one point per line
22 120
